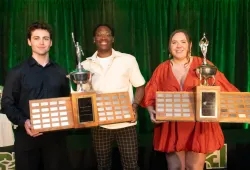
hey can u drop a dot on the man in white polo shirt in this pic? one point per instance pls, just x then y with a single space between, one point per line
113 71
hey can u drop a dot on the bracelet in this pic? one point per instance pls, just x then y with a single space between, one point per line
136 104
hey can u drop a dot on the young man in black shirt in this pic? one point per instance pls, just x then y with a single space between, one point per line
36 78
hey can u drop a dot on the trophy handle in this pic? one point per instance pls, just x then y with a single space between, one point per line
213 77
71 89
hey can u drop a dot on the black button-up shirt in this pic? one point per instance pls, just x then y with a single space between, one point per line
31 81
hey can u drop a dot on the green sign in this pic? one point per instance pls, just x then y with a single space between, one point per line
217 159
7 161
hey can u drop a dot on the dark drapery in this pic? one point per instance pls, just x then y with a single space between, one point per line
142 28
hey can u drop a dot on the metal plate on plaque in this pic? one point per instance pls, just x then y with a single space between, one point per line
208 107
84 109
207 103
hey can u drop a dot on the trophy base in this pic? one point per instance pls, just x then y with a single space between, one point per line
84 107
207 103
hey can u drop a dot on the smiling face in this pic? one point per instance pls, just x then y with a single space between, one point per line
103 39
40 42
180 46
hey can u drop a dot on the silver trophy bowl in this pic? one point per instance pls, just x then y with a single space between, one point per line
207 71
80 77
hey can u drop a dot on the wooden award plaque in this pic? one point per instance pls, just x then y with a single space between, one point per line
51 114
182 106
207 103
81 110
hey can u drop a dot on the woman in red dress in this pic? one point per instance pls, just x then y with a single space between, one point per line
185 143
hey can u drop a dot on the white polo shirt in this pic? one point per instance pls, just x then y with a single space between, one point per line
120 75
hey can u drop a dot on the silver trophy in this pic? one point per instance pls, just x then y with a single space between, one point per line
80 76
205 71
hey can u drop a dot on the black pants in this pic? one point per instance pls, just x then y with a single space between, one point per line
48 157
127 142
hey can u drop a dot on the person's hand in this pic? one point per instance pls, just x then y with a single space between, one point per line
134 107
28 128
152 114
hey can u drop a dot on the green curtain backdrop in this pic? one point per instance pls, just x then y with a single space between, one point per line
142 28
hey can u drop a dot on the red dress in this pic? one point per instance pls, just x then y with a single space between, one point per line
201 137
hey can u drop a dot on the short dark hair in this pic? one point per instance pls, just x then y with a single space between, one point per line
39 25
104 25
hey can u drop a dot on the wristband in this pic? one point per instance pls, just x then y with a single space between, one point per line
136 104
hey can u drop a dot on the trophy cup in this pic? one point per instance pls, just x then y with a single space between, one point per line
80 76
83 101
207 95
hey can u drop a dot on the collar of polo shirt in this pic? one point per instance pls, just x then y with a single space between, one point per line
94 57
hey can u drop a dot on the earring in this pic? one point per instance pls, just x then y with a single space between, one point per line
169 55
